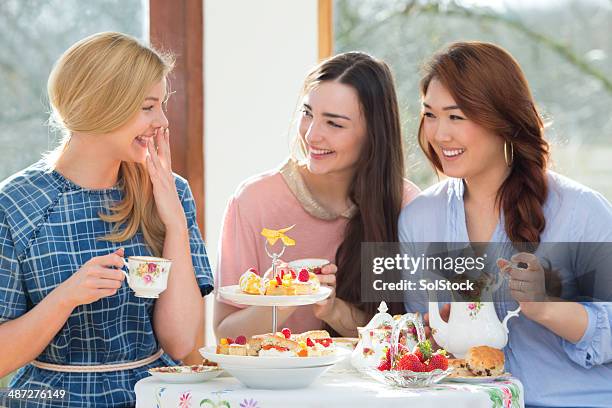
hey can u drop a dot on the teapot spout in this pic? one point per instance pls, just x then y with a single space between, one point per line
439 327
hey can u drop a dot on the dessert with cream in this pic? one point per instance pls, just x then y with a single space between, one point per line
287 283
313 343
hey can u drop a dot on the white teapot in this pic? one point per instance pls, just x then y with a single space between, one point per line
470 324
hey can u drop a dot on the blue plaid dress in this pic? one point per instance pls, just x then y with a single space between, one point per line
49 227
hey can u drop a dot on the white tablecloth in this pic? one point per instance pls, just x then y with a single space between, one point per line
333 389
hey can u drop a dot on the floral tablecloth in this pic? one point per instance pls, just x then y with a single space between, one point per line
334 389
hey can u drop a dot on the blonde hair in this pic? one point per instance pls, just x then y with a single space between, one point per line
96 87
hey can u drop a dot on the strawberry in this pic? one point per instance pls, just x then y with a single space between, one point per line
279 281
254 271
230 340
309 342
317 270
282 273
240 340
411 362
286 332
423 351
293 274
303 275
438 361
385 365
324 342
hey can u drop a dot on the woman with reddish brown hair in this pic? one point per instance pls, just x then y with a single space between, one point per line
480 127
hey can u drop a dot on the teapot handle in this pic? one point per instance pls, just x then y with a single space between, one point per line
512 313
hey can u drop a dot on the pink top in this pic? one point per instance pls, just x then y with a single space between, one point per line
275 200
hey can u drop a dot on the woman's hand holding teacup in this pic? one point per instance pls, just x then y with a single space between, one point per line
94 280
159 167
322 310
528 284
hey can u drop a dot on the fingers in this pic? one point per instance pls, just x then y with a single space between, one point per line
106 283
153 153
165 147
521 274
329 280
518 285
161 148
108 274
329 269
113 259
530 259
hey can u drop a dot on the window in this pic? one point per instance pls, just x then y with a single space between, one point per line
564 47
33 34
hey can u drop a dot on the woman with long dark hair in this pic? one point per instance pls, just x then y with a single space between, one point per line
348 189
480 127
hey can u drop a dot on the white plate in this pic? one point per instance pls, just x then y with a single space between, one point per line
478 380
225 360
277 378
187 377
234 294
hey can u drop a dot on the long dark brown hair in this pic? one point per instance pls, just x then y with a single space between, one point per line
490 88
377 186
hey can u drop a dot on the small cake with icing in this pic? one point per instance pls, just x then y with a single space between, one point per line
250 282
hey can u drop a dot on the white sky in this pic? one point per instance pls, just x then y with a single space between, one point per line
500 5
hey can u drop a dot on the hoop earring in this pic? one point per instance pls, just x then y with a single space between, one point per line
509 162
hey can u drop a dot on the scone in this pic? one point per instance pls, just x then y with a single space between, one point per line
459 367
485 361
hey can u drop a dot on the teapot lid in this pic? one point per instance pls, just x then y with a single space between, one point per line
382 318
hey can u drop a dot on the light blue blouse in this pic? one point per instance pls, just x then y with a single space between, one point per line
554 372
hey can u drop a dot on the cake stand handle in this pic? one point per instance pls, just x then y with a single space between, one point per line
274 320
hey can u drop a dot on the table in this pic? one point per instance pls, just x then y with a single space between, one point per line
336 388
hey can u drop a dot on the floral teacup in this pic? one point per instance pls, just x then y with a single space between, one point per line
148 276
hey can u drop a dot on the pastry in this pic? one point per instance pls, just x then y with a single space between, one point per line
459 367
275 345
484 361
250 282
238 349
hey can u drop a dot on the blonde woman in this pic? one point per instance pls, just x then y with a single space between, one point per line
66 315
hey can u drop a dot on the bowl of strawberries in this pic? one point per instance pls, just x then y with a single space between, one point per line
419 367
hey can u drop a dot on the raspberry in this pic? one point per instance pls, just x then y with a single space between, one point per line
438 361
411 362
309 342
303 276
240 340
286 332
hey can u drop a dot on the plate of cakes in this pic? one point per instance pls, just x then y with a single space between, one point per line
280 360
481 364
290 287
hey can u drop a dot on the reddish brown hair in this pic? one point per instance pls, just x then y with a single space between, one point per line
490 88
